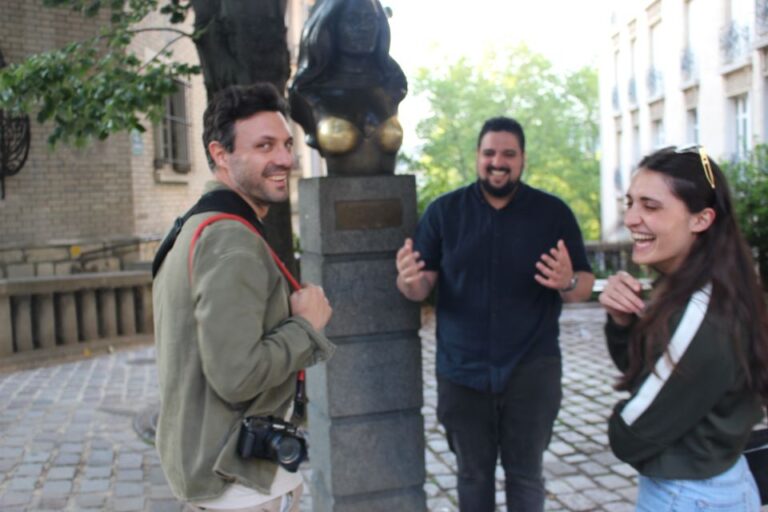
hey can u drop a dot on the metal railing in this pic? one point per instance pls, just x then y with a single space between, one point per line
761 17
735 42
655 83
688 70
607 258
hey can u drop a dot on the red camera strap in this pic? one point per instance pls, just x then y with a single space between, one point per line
300 399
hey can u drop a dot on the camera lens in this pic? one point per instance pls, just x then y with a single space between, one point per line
287 449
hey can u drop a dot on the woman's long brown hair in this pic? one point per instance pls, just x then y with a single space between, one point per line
719 256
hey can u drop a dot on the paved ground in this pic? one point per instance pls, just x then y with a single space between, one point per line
582 474
67 440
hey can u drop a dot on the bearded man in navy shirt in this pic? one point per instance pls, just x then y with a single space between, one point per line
504 257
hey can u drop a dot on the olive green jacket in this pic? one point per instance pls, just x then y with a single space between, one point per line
227 347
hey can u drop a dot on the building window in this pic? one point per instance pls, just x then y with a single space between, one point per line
655 81
736 35
635 145
619 188
618 180
632 88
657 132
694 40
615 91
765 111
171 133
692 126
761 16
740 12
743 129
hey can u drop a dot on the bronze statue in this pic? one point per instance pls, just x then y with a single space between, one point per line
347 88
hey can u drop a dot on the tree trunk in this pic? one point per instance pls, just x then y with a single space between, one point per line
245 42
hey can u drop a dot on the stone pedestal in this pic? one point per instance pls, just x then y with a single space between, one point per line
366 427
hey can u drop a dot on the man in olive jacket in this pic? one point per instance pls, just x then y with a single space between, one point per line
231 335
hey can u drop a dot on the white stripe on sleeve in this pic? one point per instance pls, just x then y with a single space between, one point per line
681 339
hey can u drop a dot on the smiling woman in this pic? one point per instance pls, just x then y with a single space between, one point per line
695 357
662 228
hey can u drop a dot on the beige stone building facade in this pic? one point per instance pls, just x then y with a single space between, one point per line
106 205
678 72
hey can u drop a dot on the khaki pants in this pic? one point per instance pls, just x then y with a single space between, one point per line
286 503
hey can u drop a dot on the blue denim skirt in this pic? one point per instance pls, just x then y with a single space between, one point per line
732 491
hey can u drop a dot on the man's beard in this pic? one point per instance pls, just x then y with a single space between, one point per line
256 191
505 190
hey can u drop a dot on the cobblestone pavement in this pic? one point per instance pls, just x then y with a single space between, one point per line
581 472
67 440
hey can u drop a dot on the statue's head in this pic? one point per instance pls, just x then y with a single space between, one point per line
353 27
357 28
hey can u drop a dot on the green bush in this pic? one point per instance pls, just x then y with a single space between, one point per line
749 185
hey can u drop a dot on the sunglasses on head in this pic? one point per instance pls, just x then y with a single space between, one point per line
699 150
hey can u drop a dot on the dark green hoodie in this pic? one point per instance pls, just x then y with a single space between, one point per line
689 420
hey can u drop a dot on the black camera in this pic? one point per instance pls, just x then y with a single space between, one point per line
272 439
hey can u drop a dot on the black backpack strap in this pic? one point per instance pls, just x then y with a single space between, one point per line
224 201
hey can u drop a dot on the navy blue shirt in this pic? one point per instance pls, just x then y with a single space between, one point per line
491 312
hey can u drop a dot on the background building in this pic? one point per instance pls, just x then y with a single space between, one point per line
106 205
677 72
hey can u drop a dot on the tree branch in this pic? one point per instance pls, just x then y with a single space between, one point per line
160 52
162 29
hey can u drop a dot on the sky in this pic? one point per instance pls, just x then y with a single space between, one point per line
567 32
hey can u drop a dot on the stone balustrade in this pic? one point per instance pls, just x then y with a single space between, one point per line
55 312
39 313
609 257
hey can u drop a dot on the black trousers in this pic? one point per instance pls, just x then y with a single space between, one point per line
516 424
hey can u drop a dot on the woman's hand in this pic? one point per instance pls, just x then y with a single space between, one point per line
621 298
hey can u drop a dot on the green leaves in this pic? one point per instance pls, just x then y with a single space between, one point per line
176 10
91 89
749 184
559 113
121 11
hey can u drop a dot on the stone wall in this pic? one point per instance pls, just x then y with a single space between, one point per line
104 193
61 192
109 191
160 194
65 257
